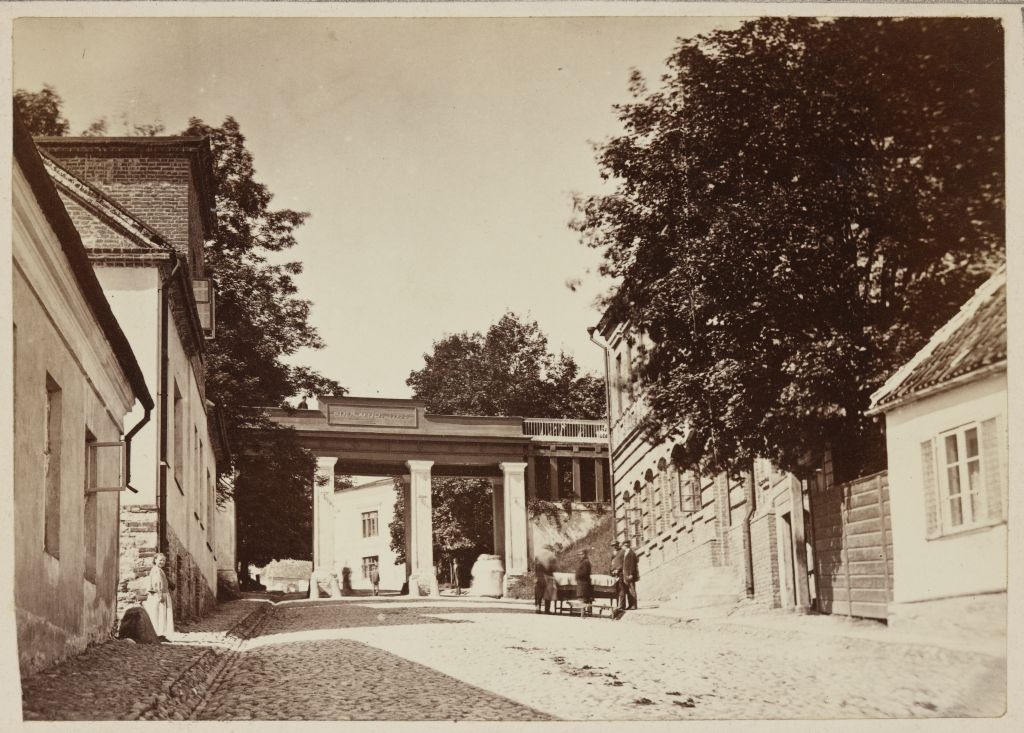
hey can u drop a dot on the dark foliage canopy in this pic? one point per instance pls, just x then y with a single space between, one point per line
798 206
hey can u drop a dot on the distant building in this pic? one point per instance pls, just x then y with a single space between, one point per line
362 539
946 421
144 206
75 380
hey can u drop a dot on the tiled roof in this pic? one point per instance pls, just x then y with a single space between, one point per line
974 339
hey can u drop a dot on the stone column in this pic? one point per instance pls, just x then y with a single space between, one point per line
407 521
422 580
323 527
516 560
498 505
598 480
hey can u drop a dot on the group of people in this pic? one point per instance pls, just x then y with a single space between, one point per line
624 569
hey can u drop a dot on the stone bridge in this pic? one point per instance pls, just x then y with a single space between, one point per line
525 458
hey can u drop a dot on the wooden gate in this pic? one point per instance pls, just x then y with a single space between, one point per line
853 546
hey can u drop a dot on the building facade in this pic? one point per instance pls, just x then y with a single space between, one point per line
946 428
76 380
144 207
362 540
704 543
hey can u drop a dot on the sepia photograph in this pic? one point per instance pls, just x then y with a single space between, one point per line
543 363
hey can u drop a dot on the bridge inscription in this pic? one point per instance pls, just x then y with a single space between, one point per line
390 417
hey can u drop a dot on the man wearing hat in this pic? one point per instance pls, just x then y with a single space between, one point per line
617 574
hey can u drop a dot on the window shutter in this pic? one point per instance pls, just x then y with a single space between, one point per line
993 469
931 499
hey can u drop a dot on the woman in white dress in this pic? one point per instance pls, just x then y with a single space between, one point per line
159 604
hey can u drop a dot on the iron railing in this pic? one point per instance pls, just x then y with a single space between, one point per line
583 431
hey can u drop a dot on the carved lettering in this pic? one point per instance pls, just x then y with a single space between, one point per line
393 417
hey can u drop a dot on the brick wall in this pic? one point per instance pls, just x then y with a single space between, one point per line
157 190
764 541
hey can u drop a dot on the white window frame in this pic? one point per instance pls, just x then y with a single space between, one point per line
370 514
968 513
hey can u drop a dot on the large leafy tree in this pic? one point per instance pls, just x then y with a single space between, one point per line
799 204
507 371
260 322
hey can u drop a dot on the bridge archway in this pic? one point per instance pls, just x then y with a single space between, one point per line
367 436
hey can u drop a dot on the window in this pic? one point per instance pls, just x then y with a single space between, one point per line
963 478
91 480
689 491
179 439
51 467
197 472
369 563
618 385
369 524
211 502
960 478
206 302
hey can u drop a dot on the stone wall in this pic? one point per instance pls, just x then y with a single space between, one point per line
137 547
193 596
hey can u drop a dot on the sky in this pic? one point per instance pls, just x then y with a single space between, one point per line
437 157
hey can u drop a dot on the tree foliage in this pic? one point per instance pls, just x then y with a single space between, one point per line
463 524
508 371
41 111
798 206
273 500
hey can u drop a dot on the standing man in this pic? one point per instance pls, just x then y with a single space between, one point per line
584 584
375 580
620 592
630 574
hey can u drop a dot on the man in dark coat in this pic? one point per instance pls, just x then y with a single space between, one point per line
630 574
375 580
584 585
617 574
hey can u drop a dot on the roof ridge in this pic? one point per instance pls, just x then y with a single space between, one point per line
87 193
968 310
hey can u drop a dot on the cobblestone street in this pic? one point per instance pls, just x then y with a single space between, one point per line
393 659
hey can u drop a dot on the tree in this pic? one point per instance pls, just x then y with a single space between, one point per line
41 111
274 496
797 208
507 371
260 320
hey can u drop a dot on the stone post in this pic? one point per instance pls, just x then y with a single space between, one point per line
498 505
514 499
323 525
422 580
